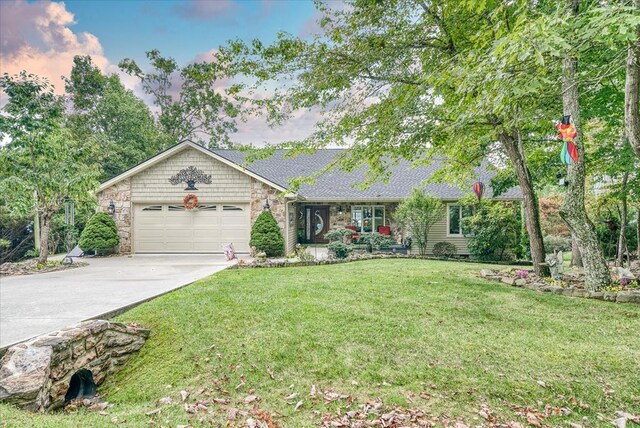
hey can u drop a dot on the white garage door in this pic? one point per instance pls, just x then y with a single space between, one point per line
206 229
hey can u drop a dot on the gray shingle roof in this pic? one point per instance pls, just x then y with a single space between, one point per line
342 186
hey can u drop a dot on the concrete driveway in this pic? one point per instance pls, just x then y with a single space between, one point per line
31 305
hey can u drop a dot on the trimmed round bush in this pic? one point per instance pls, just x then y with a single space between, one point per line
100 234
339 250
266 235
445 249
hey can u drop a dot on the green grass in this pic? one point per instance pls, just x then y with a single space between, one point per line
396 327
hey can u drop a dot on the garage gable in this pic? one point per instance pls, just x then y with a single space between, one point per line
153 183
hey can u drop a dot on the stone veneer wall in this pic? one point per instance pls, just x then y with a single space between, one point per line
35 375
259 194
120 194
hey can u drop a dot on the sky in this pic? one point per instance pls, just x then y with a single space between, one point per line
42 37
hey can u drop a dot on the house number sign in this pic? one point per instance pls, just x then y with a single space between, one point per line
190 175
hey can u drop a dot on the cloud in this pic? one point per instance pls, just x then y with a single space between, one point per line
205 10
37 37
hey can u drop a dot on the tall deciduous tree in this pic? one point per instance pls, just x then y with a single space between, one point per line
42 157
192 103
104 110
632 89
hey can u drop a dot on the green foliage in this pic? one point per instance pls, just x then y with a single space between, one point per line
445 249
43 157
266 235
4 244
341 234
418 213
492 230
339 249
120 123
376 241
198 110
100 234
556 243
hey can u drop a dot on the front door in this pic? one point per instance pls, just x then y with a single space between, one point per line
317 223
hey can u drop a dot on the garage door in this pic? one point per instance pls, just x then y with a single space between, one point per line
174 229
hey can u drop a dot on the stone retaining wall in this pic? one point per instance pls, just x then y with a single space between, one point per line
35 375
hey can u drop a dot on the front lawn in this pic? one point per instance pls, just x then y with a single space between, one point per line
419 334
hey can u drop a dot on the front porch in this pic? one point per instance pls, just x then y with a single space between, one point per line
314 219
309 221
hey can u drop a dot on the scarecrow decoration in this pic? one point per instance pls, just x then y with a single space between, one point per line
478 189
568 132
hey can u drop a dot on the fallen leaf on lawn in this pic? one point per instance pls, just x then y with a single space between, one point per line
153 412
222 400
250 423
542 384
298 405
251 399
533 419
354 382
184 395
313 391
334 396
575 425
620 423
240 385
291 396
103 413
99 406
232 413
270 373
165 400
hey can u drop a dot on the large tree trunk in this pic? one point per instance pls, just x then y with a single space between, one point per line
576 257
622 237
638 231
44 238
531 209
632 91
573 209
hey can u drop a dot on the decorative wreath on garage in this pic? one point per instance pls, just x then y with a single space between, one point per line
190 201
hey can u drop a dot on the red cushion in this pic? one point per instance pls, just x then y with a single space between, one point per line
384 230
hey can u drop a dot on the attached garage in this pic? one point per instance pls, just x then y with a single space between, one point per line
149 206
171 228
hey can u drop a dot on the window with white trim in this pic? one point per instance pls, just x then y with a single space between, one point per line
367 218
455 214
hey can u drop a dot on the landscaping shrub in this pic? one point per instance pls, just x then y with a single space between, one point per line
556 243
375 241
339 249
492 230
445 249
100 234
340 234
418 213
266 235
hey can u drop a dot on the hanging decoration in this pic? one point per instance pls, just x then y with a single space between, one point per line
190 201
478 189
569 153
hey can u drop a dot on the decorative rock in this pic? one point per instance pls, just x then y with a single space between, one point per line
507 280
35 375
520 282
628 297
596 295
487 273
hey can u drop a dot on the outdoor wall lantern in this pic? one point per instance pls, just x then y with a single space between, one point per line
340 209
266 206
111 209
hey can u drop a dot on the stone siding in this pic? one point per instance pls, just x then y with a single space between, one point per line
259 194
35 375
120 194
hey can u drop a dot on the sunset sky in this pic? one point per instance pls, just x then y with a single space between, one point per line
42 37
